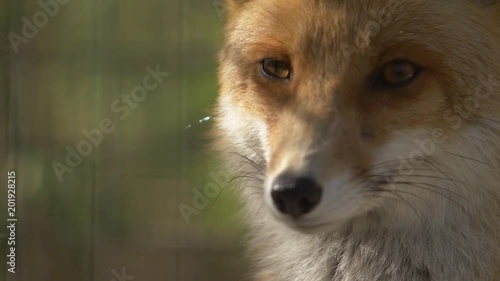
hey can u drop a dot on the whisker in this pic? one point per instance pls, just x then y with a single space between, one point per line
439 193
496 122
445 174
409 204
402 192
251 195
399 199
243 180
249 161
436 187
470 158
418 176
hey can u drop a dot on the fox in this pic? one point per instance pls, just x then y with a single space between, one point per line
364 137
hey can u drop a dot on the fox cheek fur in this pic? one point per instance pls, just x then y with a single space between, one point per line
347 180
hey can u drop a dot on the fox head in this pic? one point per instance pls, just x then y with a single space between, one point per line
347 108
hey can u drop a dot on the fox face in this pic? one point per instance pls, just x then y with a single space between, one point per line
349 108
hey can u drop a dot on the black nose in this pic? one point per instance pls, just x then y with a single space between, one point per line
295 196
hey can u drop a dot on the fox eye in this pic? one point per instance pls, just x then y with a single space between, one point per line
397 74
276 69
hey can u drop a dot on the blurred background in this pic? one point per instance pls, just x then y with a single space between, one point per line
104 114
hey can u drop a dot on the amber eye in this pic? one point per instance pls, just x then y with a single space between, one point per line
397 74
276 69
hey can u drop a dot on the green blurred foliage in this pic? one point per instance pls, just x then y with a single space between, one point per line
120 206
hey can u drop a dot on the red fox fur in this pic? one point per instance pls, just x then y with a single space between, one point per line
368 137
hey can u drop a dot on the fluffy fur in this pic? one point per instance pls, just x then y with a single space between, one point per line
411 176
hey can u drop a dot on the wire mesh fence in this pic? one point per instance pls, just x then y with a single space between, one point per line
95 100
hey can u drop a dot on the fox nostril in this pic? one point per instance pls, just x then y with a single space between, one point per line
305 204
295 196
280 204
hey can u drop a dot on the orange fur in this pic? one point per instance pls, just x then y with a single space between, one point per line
329 120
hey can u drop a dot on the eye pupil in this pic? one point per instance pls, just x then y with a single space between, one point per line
398 74
276 69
